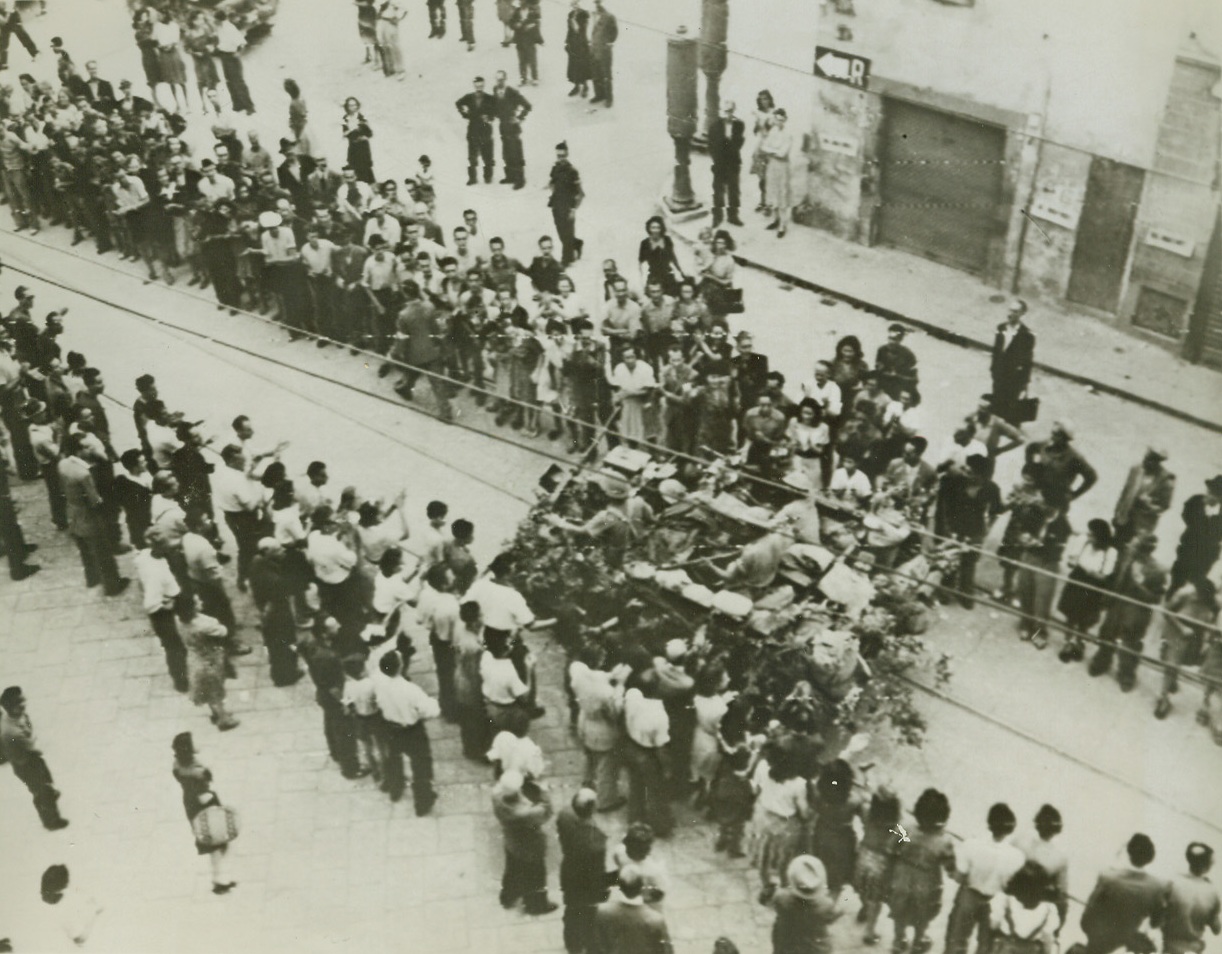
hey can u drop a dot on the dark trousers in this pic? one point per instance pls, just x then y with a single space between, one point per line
473 729
244 525
600 65
647 797
565 219
55 495
279 633
512 154
528 62
479 149
215 602
466 20
578 926
34 774
322 298
342 600
437 18
525 879
13 28
235 79
443 659
339 732
11 537
411 742
969 913
725 190
166 631
98 559
1131 638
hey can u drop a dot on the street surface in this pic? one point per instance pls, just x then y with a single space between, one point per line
326 864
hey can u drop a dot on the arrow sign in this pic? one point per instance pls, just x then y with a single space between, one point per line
841 67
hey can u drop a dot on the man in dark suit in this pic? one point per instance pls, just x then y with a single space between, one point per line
604 31
98 92
583 876
1122 900
1013 357
418 344
1202 537
626 924
511 109
567 194
726 137
479 110
88 520
895 364
293 174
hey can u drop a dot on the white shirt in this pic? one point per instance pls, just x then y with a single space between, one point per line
166 34
986 866
309 497
202 565
909 420
389 228
826 396
645 720
957 454
402 702
214 190
287 528
157 583
855 488
500 682
331 560
501 606
634 382
318 260
786 798
392 591
517 754
234 490
1094 561
360 695
438 613
229 39
163 441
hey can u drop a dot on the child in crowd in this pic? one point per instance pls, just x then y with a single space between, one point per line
358 699
876 858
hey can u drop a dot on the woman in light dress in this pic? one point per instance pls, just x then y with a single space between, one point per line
764 108
711 703
777 146
781 809
389 15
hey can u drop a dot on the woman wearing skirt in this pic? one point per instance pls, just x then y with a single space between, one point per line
357 133
168 37
389 15
1092 566
142 25
776 826
776 148
200 41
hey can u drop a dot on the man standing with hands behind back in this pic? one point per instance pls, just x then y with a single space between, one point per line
726 137
1013 357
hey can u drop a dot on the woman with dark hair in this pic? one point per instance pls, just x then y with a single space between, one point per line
717 278
917 876
810 439
200 40
637 850
692 310
142 26
837 801
357 134
848 367
75 912
168 37
875 859
764 108
1092 567
777 147
577 46
1021 918
206 641
367 27
781 807
194 778
1042 543
657 257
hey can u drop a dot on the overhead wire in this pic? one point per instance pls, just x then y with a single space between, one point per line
593 468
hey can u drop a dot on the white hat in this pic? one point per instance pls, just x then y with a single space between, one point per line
269 220
510 782
734 605
676 649
671 490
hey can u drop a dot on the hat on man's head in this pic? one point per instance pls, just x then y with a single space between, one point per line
897 329
671 490
1157 450
807 876
270 220
1214 485
1065 425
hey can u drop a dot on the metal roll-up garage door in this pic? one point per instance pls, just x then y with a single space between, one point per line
940 184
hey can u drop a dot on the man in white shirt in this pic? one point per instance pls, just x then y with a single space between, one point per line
395 585
516 752
353 198
437 609
386 225
850 484
405 707
229 43
239 497
213 186
824 391
159 590
502 607
309 491
334 567
982 867
205 572
648 729
955 452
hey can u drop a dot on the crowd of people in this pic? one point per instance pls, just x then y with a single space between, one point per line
646 360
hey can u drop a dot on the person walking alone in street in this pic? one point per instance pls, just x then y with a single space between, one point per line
604 31
726 137
523 809
583 876
20 750
567 195
1013 358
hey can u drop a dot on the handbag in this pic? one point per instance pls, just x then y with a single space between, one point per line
215 826
1026 409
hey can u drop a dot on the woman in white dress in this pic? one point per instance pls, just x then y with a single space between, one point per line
764 108
777 147
634 385
809 437
776 827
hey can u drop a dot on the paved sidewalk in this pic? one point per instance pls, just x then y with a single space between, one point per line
954 306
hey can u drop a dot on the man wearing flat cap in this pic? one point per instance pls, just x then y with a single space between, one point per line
1146 495
895 365
1192 905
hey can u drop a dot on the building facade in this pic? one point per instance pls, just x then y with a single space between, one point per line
1064 151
